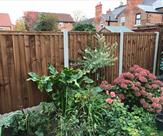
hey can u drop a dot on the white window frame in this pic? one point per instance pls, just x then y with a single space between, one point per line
122 19
138 19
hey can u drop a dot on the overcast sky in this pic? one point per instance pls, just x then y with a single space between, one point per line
15 8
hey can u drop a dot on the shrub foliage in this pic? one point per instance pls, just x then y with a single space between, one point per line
138 87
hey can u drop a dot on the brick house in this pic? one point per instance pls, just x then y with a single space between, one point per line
65 21
110 18
132 15
142 12
5 22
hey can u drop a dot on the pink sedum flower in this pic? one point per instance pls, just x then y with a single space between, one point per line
124 86
109 100
152 76
149 96
155 100
154 86
158 82
137 94
135 88
161 99
142 79
143 92
112 94
155 105
142 101
129 75
158 111
138 84
145 105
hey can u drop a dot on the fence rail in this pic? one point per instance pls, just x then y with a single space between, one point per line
22 52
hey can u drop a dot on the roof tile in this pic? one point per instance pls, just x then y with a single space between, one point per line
62 17
5 19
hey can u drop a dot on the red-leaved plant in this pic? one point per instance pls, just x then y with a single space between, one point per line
137 87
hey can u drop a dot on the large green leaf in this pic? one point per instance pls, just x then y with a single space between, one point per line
52 70
98 89
33 77
87 80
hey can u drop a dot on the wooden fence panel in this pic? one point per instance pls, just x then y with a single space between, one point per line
112 71
23 52
138 49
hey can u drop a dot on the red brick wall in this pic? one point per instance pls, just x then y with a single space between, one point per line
133 3
146 18
155 18
129 17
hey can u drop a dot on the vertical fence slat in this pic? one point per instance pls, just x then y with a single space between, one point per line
6 83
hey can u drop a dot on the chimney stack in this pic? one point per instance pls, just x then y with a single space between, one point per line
98 12
108 11
133 3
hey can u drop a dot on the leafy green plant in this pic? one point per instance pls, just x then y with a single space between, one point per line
45 22
31 123
14 122
78 105
147 124
57 84
84 27
85 114
78 108
139 122
101 56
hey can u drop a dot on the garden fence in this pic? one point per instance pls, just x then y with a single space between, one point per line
22 52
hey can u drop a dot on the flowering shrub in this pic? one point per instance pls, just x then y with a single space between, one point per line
137 87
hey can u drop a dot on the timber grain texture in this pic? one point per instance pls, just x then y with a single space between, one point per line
23 52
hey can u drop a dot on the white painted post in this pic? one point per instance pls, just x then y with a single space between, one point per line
156 52
121 53
66 51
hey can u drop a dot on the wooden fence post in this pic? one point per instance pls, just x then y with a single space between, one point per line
155 53
66 51
121 53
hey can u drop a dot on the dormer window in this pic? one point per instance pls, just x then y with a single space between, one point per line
138 19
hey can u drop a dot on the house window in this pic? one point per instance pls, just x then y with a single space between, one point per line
138 19
122 21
